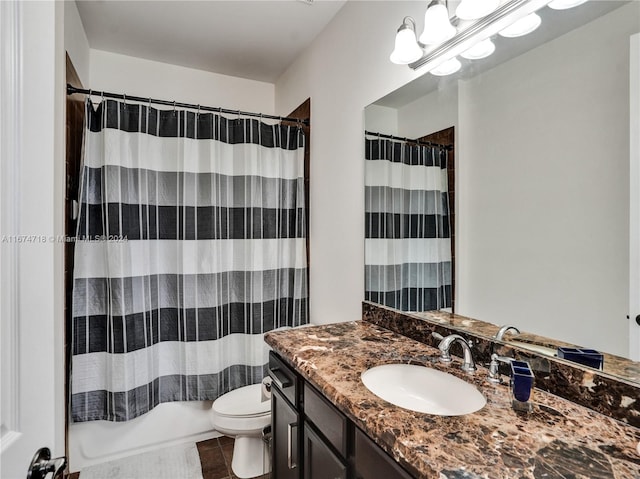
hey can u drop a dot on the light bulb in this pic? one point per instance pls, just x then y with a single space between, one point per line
480 50
522 27
437 27
565 4
447 68
406 48
474 9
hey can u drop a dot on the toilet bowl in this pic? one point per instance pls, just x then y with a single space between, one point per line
243 415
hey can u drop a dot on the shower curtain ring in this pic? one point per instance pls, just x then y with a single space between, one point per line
124 97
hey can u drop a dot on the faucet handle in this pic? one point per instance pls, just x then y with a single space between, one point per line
494 375
445 357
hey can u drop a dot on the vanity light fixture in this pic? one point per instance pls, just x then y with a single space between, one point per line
480 50
468 38
565 4
447 68
406 48
475 9
437 26
522 27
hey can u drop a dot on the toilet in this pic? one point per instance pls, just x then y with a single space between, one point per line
242 414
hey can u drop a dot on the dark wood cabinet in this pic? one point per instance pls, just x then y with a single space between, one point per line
320 462
285 427
332 424
371 462
312 439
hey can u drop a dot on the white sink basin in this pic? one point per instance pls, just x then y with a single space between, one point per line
422 389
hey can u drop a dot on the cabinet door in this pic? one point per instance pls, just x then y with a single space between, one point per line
319 461
327 420
285 437
372 462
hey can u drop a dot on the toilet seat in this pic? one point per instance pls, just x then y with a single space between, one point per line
244 402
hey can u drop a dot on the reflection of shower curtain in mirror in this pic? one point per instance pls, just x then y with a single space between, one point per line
190 246
408 244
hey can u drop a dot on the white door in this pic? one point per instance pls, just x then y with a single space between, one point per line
31 327
634 197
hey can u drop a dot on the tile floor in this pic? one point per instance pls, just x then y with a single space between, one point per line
215 458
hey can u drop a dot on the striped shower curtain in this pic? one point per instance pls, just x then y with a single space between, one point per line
407 235
190 245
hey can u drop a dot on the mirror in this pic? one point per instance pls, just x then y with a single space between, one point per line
542 148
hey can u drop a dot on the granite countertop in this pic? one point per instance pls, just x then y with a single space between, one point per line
559 439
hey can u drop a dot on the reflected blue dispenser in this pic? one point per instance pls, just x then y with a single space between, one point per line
587 357
521 386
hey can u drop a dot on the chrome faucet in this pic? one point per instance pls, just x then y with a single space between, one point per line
504 329
494 376
469 364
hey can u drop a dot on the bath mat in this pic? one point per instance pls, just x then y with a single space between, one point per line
177 462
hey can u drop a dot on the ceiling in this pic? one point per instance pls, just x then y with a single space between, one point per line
255 39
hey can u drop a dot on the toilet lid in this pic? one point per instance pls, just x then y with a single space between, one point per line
245 401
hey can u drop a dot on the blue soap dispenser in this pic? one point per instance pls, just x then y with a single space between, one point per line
521 386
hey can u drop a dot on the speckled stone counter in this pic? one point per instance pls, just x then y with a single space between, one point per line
612 393
558 440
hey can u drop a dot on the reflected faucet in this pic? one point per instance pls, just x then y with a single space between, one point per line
469 364
504 329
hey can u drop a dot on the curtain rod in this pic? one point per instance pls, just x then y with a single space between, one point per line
408 140
71 90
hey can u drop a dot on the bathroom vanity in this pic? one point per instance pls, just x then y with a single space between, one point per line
327 424
313 439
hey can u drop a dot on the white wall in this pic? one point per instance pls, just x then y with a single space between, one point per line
138 77
345 69
381 119
431 113
75 41
544 195
171 423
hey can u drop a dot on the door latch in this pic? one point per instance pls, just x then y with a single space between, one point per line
42 464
